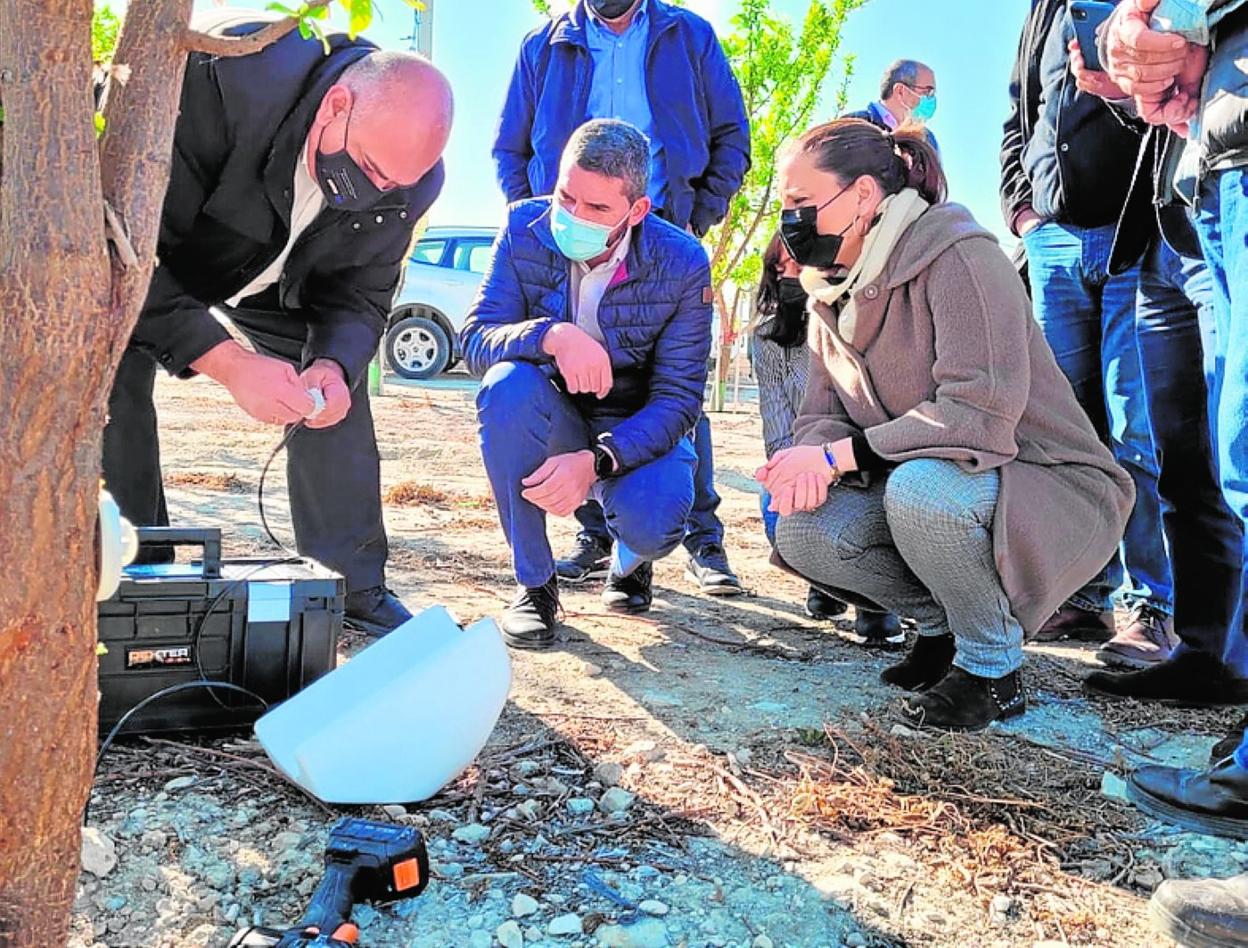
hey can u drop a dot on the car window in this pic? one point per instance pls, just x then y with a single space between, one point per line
472 255
428 251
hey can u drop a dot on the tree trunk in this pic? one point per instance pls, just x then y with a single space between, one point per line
65 314
54 320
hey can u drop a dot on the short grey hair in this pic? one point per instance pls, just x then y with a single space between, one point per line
614 149
905 71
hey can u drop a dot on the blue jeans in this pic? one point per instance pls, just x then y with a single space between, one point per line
1174 327
523 420
704 526
1088 318
1222 222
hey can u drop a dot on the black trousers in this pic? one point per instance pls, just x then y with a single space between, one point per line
333 474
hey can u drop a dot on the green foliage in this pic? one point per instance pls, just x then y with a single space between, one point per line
105 25
783 71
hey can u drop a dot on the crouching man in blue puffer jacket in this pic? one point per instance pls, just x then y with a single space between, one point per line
592 333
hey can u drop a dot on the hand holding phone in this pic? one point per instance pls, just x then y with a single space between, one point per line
1088 16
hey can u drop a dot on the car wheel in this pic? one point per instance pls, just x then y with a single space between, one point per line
417 348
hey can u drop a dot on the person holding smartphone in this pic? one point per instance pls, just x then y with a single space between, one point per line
1067 160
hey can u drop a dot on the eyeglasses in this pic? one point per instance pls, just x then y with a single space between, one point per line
921 90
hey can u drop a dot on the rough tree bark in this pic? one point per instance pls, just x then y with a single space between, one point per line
67 308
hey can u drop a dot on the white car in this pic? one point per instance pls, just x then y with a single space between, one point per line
443 274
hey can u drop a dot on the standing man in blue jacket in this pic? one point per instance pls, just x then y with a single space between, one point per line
662 69
592 331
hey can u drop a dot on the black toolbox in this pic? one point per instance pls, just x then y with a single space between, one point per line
270 626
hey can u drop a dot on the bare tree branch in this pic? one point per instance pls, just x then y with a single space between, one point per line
197 42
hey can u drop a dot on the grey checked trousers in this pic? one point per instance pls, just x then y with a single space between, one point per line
919 544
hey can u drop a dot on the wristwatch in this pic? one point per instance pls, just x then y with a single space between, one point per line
604 463
835 475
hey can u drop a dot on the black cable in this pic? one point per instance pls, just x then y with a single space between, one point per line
264 473
163 693
216 601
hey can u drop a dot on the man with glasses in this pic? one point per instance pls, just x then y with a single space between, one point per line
907 97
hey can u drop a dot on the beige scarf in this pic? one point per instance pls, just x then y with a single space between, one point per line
897 212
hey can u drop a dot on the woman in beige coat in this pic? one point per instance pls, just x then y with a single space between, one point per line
941 467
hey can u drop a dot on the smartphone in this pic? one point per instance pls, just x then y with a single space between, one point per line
1088 17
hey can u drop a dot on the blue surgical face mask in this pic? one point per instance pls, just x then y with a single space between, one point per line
926 108
578 239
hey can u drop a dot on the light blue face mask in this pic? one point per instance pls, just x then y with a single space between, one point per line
578 239
926 108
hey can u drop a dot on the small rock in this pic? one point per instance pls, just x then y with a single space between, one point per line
744 756
580 806
532 934
202 935
472 833
286 841
154 839
394 811
900 730
443 816
646 750
590 670
480 940
856 940
529 810
609 774
647 933
180 783
450 870
365 915
616 800
99 854
527 767
1001 909
654 907
522 906
509 935
762 941
115 903
569 924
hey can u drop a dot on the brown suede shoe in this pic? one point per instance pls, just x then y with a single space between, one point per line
1082 625
1146 640
1202 913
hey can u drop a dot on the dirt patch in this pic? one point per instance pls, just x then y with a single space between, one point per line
202 480
773 799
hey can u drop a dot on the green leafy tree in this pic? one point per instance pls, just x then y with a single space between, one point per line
79 215
784 70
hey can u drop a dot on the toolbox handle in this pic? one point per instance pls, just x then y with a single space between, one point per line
207 537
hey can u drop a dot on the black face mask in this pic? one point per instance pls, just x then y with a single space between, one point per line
345 185
790 296
799 230
610 9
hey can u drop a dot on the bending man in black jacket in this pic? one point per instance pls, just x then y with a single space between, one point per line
297 180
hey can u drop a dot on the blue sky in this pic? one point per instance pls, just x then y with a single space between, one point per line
969 43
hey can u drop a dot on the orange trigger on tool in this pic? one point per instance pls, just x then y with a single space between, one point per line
348 933
406 875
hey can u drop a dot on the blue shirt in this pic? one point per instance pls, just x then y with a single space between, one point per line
618 88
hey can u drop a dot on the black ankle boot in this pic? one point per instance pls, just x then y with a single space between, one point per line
928 662
966 702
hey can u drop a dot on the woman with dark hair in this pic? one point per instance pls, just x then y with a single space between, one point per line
941 467
781 363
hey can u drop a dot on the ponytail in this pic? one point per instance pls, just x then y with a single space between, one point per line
850 148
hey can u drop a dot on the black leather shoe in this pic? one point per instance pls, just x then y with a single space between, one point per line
966 702
375 611
1191 679
530 621
1202 913
1227 746
819 605
631 593
1213 801
710 570
590 559
880 630
926 665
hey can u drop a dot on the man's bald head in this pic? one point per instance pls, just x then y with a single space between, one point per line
394 112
